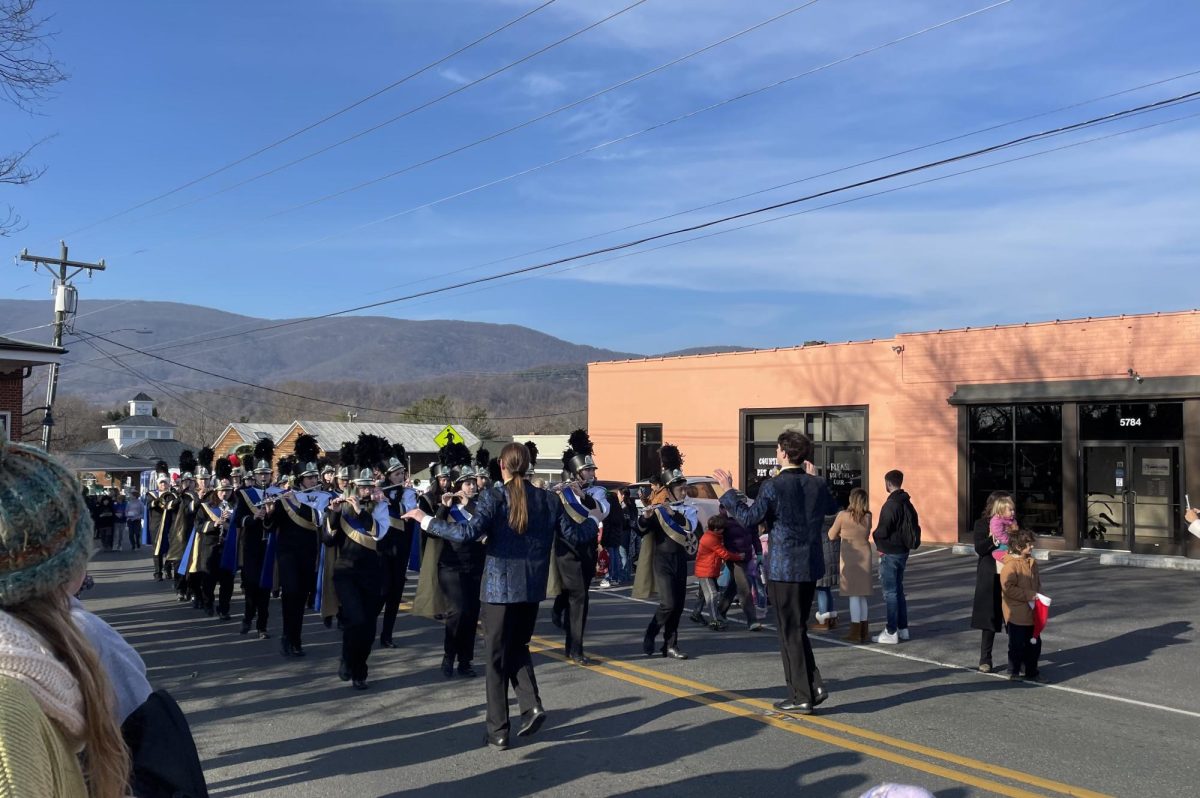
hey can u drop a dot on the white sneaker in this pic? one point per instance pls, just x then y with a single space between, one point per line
903 633
605 583
887 638
820 617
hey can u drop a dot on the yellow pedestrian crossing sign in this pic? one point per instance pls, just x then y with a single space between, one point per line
448 435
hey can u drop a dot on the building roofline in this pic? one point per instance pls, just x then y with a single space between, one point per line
1018 325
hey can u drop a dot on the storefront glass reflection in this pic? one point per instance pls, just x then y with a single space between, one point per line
1018 448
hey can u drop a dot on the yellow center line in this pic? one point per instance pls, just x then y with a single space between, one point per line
719 699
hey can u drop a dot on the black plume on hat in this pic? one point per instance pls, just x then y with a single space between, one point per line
372 451
223 468
264 449
581 443
205 457
454 455
482 458
670 458
346 457
187 462
494 472
306 449
286 466
161 467
533 453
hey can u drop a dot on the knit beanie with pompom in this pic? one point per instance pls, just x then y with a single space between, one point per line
45 526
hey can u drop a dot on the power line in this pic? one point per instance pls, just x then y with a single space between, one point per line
659 125
407 113
1060 130
176 343
319 122
302 396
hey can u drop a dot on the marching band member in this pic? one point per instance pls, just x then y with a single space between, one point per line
519 522
295 521
183 504
396 546
156 529
430 600
577 564
670 527
460 572
246 547
483 459
212 523
329 478
352 527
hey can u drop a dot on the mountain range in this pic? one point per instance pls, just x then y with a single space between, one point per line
352 348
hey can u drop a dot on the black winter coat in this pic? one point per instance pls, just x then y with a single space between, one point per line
985 611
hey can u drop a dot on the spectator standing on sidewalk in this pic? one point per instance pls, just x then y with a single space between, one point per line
897 519
986 614
610 539
134 510
827 614
853 528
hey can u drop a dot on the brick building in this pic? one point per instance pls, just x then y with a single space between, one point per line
1093 424
17 360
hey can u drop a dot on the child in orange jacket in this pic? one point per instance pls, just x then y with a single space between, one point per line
710 561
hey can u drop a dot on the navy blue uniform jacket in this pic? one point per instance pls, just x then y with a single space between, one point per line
517 566
793 505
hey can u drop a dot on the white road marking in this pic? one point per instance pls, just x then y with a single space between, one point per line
891 652
928 551
1062 564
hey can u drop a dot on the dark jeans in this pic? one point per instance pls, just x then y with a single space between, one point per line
891 577
793 603
395 574
461 589
134 526
1022 652
739 585
507 629
985 647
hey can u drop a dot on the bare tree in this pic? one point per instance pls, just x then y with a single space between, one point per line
28 72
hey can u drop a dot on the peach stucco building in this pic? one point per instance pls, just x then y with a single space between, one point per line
1094 424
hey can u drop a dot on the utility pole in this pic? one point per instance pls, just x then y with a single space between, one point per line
65 302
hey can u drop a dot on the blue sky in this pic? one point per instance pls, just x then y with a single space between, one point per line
163 92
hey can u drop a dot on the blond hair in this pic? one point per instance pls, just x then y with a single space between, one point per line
1003 503
857 505
106 765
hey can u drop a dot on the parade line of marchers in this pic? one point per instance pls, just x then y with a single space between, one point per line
489 545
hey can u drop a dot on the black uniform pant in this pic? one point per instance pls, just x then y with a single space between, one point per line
507 629
297 576
258 602
194 586
1023 653
670 577
571 604
460 586
395 573
360 600
161 565
793 602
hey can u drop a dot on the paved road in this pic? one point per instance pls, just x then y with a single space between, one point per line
1121 716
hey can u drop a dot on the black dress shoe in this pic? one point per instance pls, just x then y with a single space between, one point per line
360 684
557 620
671 652
531 721
648 646
696 617
297 651
343 671
245 628
467 670
497 741
581 659
794 707
448 667
263 636
819 696
285 648
386 643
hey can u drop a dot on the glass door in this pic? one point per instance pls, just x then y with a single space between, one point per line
1132 498
1106 524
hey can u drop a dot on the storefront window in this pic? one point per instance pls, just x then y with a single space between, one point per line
839 446
649 438
1147 421
1018 448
